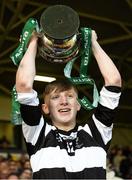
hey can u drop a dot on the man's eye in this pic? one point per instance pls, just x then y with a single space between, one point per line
70 95
55 97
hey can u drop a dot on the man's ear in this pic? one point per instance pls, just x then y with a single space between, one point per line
45 108
78 106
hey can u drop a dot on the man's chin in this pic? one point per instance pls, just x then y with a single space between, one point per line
64 122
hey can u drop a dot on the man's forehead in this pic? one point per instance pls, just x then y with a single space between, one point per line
58 90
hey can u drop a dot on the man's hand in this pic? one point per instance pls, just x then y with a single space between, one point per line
94 36
34 38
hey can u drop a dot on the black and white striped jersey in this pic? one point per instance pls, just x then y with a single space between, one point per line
77 154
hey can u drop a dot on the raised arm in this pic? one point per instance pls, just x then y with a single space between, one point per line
26 70
107 68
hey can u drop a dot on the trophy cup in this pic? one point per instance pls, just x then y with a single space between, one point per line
58 35
59 40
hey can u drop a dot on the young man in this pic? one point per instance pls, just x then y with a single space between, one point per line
64 150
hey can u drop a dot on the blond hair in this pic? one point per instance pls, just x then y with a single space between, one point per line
59 86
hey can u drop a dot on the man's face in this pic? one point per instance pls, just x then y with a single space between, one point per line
62 107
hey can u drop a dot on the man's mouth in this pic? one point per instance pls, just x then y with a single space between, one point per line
64 110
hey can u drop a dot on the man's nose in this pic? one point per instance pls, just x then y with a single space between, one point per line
64 100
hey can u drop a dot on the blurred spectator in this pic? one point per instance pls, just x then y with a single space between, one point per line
23 158
4 169
27 164
26 174
111 154
117 160
13 166
13 176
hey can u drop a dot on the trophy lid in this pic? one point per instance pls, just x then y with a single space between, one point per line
59 22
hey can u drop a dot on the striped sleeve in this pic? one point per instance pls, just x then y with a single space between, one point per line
109 97
31 114
105 112
109 100
28 98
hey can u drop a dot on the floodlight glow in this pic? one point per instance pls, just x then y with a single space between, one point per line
44 78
